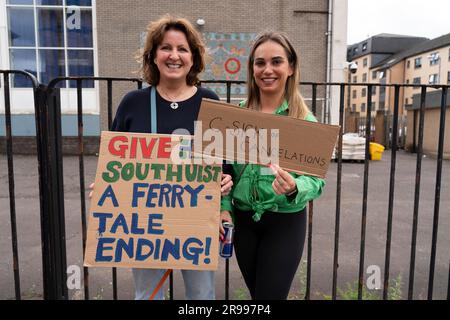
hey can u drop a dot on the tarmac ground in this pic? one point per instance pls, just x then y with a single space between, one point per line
323 235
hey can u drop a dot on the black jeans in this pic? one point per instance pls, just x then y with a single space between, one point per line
269 251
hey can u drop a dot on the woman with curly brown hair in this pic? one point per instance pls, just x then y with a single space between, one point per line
172 59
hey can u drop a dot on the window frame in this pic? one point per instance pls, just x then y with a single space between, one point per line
364 47
38 48
418 63
433 78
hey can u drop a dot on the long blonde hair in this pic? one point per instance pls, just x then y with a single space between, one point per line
155 35
297 106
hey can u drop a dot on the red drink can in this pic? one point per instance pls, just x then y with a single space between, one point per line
226 246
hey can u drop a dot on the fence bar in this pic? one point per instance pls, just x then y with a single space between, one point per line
391 193
54 216
40 96
437 198
109 107
82 187
365 192
12 197
338 192
417 189
227 261
448 285
171 286
310 214
109 103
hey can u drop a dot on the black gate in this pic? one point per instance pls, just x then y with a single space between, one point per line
51 192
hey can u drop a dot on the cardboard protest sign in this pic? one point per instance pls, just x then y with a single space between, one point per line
148 212
302 146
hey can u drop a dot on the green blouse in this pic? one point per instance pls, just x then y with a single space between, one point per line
254 192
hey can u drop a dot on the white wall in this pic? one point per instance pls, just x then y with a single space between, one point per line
338 54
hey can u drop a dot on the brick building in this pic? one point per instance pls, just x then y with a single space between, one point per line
101 37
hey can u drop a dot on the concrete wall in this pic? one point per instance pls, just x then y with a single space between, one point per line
430 133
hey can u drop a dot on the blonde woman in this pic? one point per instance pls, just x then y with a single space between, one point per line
269 209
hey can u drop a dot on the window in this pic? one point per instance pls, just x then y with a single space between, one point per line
374 106
363 92
448 77
382 104
354 94
417 62
434 58
353 107
364 77
363 107
374 91
407 81
355 50
433 78
406 101
355 79
51 38
382 74
416 81
374 74
408 64
365 62
364 46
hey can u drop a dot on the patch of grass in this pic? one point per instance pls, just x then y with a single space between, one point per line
32 294
99 294
301 278
241 294
351 291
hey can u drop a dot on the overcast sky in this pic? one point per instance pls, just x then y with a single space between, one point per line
425 18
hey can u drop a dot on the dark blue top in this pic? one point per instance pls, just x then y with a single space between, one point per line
133 113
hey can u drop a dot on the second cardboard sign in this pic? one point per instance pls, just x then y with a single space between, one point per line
303 147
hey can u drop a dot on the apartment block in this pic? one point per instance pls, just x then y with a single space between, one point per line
368 55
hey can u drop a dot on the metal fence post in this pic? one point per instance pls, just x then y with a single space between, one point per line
52 220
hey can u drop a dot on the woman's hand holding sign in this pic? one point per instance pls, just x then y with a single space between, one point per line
226 184
91 187
284 183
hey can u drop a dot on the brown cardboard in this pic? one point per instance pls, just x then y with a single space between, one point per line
191 224
305 147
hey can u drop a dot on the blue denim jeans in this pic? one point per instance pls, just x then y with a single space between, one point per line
199 285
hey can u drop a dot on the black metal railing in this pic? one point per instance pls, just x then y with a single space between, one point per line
48 140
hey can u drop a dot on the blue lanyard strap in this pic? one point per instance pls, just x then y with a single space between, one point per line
153 109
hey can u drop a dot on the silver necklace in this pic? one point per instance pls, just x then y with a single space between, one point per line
174 105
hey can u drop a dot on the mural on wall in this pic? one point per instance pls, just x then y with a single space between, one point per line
227 59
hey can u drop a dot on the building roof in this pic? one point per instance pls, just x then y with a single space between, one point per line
433 100
384 43
425 46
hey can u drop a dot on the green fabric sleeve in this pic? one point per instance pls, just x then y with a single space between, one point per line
308 188
226 204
